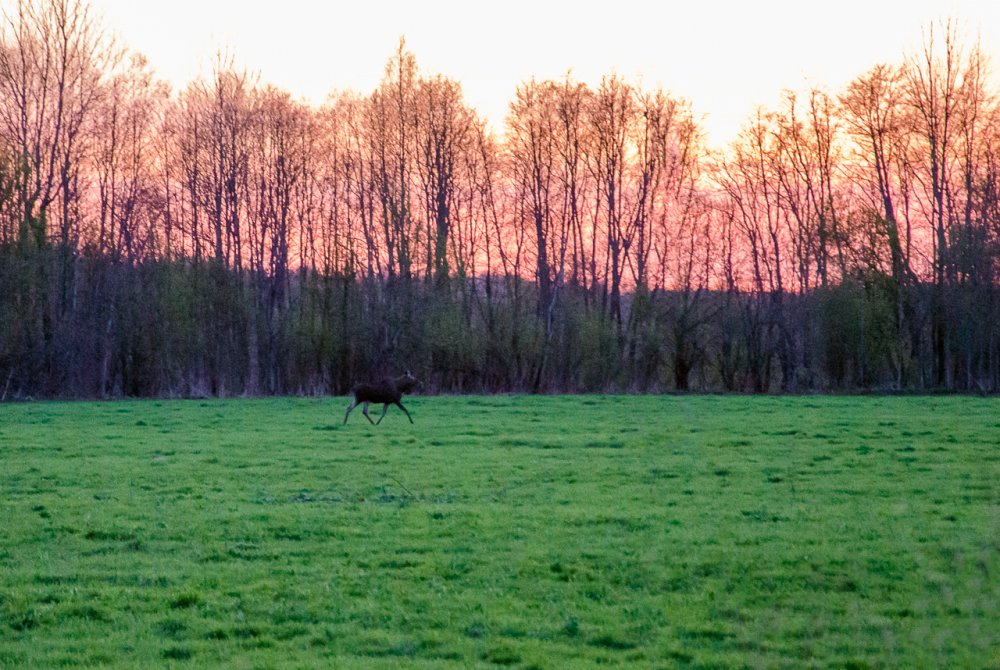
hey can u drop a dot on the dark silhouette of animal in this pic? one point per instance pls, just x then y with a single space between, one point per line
388 392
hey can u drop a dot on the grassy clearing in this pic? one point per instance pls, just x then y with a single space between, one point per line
531 532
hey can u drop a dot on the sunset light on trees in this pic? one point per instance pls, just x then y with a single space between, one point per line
227 237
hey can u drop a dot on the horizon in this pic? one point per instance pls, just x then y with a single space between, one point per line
724 85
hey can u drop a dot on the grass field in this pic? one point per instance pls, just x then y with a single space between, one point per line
531 532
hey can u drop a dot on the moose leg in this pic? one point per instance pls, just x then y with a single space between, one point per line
385 408
364 410
400 406
354 403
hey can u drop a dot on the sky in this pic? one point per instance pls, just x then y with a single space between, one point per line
726 58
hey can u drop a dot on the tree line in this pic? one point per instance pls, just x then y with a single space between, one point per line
227 239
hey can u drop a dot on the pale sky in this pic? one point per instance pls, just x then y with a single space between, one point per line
726 57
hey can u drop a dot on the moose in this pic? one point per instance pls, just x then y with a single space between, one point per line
388 392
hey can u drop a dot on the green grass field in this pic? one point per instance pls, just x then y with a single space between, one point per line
530 532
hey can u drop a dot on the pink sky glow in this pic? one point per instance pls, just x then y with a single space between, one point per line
725 57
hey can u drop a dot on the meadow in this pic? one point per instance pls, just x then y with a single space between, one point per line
502 531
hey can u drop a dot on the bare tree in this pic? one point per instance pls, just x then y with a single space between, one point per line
872 109
444 133
52 59
391 133
611 114
123 137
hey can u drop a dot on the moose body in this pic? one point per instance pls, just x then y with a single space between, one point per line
388 392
